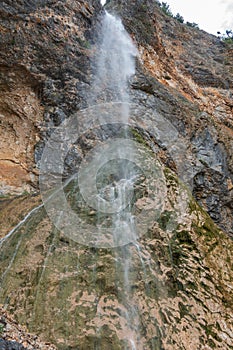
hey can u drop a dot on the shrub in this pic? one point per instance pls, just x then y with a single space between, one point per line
193 24
179 18
1 328
166 9
227 37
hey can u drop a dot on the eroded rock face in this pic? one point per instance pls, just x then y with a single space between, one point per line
20 115
179 294
51 44
43 70
186 75
14 337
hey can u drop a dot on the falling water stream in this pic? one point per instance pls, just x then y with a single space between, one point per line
115 64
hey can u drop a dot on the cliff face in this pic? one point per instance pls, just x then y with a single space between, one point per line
44 62
187 75
18 337
180 273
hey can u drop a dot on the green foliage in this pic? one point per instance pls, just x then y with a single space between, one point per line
25 193
1 328
4 196
166 9
227 37
179 18
192 24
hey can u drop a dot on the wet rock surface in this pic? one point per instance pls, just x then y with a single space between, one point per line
14 337
186 75
179 280
44 71
181 276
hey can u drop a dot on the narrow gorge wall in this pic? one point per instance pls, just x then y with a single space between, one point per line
180 270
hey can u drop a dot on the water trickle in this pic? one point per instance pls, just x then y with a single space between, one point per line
21 223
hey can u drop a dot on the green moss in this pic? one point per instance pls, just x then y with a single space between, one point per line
211 332
180 245
138 137
171 178
5 196
180 240
176 253
193 206
164 219
184 237
184 309
208 228
1 328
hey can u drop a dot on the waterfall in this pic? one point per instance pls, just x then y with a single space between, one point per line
114 65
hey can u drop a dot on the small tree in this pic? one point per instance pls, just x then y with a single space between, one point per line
227 36
179 18
193 24
166 9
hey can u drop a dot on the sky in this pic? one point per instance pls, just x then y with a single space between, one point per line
211 15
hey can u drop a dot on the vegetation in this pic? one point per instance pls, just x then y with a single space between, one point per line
192 24
165 7
4 196
1 328
227 37
179 18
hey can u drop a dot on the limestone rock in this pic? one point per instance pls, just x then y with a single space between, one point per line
183 74
179 293
14 337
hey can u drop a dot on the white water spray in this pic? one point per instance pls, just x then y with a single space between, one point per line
115 62
113 67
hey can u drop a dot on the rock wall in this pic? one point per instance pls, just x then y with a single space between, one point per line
17 337
20 113
44 60
181 282
186 74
